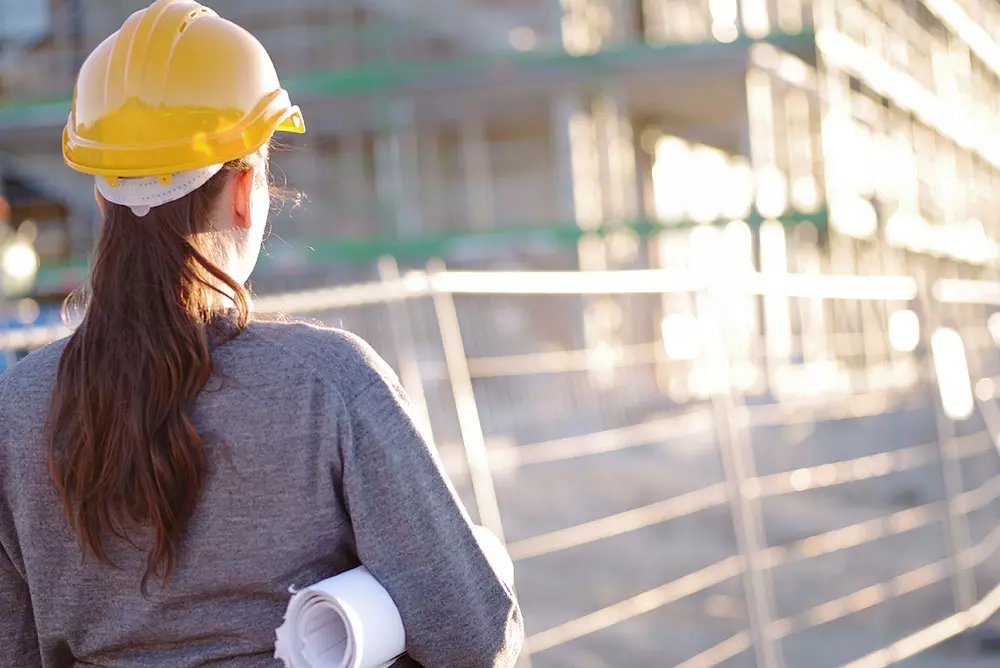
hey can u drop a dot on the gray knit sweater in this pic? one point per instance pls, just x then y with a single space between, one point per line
316 467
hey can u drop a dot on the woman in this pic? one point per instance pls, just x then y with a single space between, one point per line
170 470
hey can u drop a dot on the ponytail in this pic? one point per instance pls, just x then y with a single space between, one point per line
122 451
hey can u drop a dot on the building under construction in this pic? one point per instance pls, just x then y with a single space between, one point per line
573 132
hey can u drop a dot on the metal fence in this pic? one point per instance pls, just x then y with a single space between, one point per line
695 469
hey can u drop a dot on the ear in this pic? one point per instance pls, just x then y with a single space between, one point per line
243 184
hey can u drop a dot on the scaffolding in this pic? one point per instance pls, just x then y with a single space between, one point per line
874 118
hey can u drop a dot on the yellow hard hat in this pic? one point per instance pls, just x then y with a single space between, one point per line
177 88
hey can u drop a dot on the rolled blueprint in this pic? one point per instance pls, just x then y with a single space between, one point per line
496 553
350 621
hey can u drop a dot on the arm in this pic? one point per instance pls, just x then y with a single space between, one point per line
18 638
415 537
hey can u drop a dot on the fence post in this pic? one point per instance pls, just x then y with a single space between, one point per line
956 522
403 341
469 424
471 427
738 465
987 637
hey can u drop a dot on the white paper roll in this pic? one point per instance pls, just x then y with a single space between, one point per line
347 621
350 621
496 553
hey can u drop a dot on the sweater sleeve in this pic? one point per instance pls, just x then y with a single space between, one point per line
18 638
415 537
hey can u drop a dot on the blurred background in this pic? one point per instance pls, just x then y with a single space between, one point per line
697 297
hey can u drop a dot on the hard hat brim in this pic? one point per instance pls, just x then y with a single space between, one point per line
275 113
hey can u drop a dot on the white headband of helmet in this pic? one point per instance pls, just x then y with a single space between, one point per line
143 193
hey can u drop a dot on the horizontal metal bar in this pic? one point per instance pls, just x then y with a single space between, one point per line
841 472
723 651
562 361
862 288
640 281
346 296
983 550
854 535
620 523
687 425
970 445
640 604
657 281
806 411
648 281
932 635
958 291
978 498
863 599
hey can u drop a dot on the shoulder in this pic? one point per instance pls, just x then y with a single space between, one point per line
31 378
344 357
26 391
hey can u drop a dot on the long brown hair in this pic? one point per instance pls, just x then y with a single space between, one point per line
123 453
